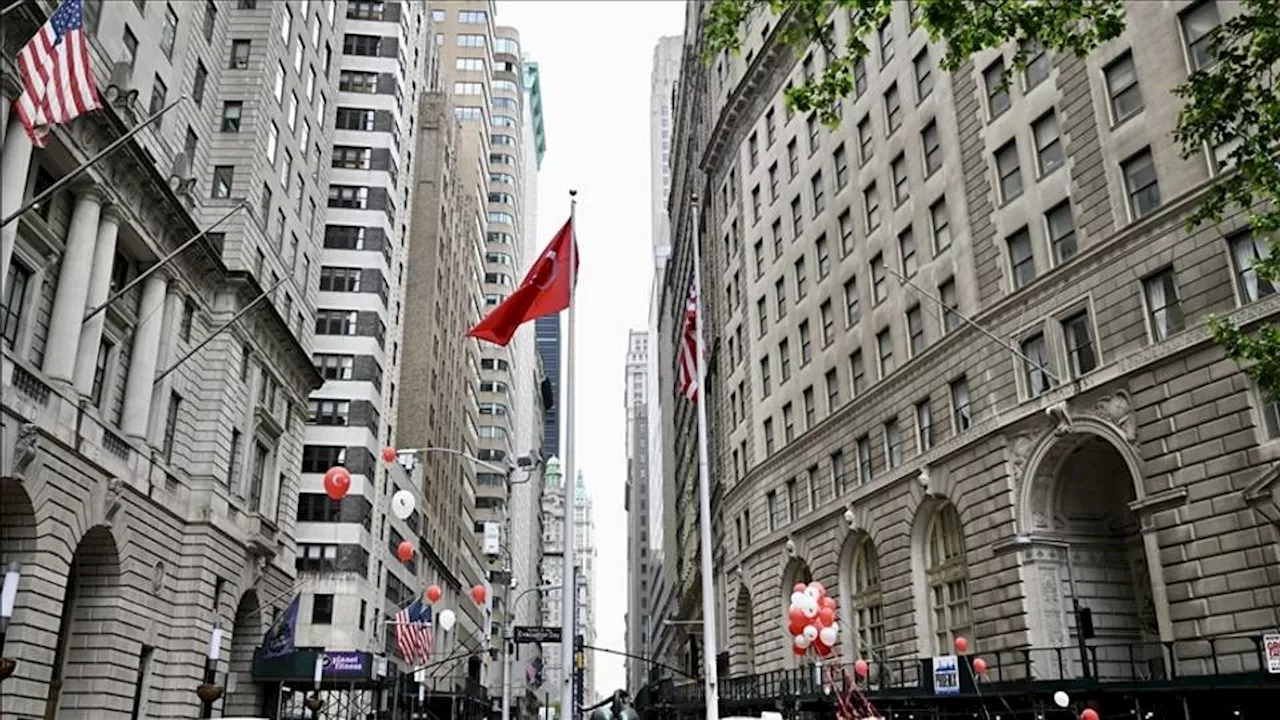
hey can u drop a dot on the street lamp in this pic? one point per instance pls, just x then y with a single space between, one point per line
1083 616
9 595
209 690
508 637
314 703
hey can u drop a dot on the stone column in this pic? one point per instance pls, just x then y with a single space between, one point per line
142 363
15 162
73 286
5 107
104 252
165 356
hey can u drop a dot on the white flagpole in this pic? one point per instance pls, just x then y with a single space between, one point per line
704 496
568 593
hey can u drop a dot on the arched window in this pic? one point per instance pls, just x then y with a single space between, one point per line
947 575
865 600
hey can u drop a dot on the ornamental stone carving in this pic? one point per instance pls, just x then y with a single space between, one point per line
114 498
1060 415
1018 452
25 450
1117 410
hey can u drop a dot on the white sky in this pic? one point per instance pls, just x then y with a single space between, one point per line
595 59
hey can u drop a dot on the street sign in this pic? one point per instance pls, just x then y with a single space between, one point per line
536 634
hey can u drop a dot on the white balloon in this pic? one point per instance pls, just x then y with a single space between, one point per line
1060 699
447 619
812 592
810 632
800 641
835 627
402 504
809 610
797 598
827 635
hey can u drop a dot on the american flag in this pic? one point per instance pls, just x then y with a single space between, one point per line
690 377
57 79
414 632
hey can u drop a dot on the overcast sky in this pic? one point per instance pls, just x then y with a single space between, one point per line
595 59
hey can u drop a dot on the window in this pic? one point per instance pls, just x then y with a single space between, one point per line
886 42
1122 86
879 283
773 182
330 412
334 367
130 47
811 126
753 150
924 76
1141 183
171 426
322 609
762 315
924 426
1271 418
1078 334
884 350
158 92
810 412
961 410
757 255
901 190
1021 261
780 297
358 82
951 305
472 17
866 147
859 78
1009 171
852 313
832 380
277 88
231 112
197 85
100 372
797 219
845 221
947 576
766 387
819 193
1245 250
866 599
932 149
857 374
168 31
940 223
755 204
871 205
1048 143
788 431
1199 26
806 344
336 322
770 127
1037 70
769 444
892 444
188 318
784 359
865 474
223 175
824 256
1035 365
771 504
997 93
915 329
1163 308
793 158
892 109
907 251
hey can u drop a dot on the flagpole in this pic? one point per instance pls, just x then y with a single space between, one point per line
712 691
568 593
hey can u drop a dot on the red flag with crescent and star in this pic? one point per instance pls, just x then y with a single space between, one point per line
546 290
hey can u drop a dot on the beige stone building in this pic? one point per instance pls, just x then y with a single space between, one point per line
934 472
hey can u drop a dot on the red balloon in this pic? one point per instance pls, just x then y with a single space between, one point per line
827 601
434 594
388 455
798 650
1089 714
962 645
980 666
337 482
404 551
822 589
795 627
820 648
861 668
477 594
799 587
826 616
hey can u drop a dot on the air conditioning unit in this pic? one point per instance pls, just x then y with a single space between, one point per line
120 91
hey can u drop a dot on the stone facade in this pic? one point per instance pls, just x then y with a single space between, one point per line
934 408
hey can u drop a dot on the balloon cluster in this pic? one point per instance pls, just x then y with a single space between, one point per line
811 620
446 618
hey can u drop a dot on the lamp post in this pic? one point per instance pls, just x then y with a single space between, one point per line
209 690
8 596
508 639
314 703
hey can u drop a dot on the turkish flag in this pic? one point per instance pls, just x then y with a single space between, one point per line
544 291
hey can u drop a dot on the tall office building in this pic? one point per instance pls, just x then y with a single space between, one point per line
548 338
937 478
557 502
663 77
152 452
636 499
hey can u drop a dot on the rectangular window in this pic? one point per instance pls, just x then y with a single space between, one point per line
1081 355
188 317
171 426
997 93
1048 143
819 193
1037 70
866 140
865 474
886 42
1199 26
884 350
210 19
322 609
802 279
158 92
770 127
1141 184
1164 311
859 78
771 508
839 475
842 167
811 126
130 47
1246 249
773 182
901 189
828 323
1271 418
100 372
168 31
762 315
824 256
231 113
797 219
852 313
932 149
871 207
223 177
832 380
924 426
915 329
755 204
757 255
845 221
1062 232
857 374
879 281
961 410
924 76
1123 88
806 344
810 409
780 297
1022 262
892 109
766 387
892 444
198 85
1009 171
940 223
793 158
907 251
1036 365
784 360
951 305
788 425
14 301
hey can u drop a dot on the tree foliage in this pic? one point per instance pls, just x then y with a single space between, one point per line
1234 103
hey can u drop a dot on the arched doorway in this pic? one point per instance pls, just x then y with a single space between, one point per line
744 615
90 612
17 544
1077 506
244 696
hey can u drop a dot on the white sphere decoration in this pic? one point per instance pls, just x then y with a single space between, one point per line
797 598
801 642
827 635
809 609
447 619
1061 699
402 504
810 632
